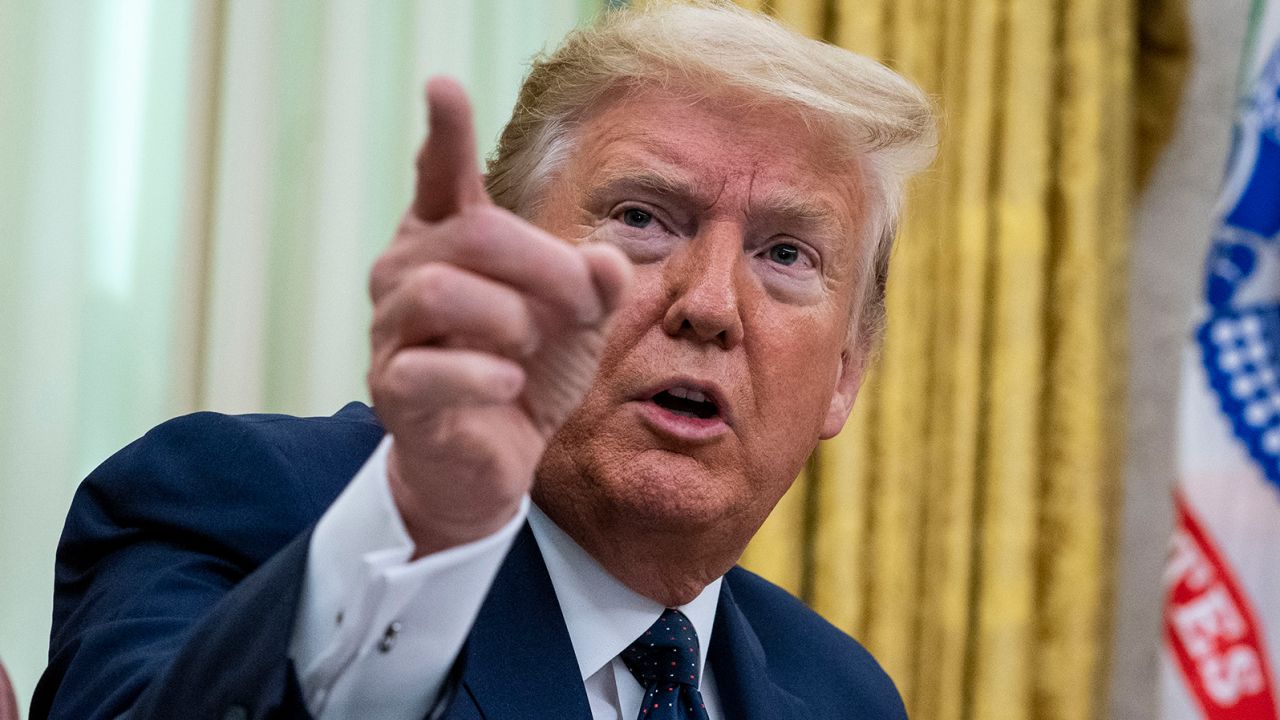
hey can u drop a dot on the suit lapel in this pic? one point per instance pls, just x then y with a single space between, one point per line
747 691
519 660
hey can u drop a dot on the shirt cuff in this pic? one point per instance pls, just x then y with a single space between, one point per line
375 634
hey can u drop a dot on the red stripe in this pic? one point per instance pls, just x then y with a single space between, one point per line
1212 630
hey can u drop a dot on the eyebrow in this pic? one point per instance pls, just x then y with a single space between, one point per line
796 206
650 179
780 206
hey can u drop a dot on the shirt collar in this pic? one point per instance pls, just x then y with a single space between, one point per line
604 616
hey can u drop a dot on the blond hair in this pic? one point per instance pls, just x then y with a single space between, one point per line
882 121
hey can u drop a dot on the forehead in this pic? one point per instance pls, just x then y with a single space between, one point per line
752 151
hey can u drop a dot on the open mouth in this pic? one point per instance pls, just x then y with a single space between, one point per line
687 403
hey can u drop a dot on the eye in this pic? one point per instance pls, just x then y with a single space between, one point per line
636 218
784 254
641 231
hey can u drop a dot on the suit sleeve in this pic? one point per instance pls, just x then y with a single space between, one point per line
179 569
376 633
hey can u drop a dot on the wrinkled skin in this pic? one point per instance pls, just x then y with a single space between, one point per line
726 197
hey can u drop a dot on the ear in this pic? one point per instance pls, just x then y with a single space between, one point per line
848 381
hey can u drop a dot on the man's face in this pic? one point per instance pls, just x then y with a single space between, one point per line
732 355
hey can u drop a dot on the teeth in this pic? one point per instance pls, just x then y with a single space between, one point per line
688 394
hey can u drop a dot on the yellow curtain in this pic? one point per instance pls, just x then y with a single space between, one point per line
962 524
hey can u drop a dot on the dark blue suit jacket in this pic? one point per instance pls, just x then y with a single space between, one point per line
183 555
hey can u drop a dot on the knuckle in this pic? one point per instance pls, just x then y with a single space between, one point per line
382 276
382 327
478 226
470 239
577 276
393 381
408 376
491 216
431 285
519 331
574 288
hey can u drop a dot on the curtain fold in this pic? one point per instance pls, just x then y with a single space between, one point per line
191 193
320 114
961 525
192 190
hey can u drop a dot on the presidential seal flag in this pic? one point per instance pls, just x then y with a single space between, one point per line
1222 581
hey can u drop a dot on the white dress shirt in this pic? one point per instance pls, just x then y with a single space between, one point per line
604 617
376 634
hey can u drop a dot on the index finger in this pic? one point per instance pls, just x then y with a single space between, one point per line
448 175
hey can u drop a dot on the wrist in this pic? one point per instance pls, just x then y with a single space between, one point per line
434 525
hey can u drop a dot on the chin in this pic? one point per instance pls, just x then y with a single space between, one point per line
672 491
652 488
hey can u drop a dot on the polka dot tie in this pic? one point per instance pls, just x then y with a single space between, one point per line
665 661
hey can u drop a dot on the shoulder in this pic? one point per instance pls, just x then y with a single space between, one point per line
208 475
173 536
809 656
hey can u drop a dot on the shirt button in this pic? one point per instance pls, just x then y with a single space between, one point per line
236 712
388 640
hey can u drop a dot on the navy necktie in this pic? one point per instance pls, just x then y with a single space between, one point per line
665 661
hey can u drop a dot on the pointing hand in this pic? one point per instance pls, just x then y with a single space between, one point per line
487 332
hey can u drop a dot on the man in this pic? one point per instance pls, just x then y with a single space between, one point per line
644 318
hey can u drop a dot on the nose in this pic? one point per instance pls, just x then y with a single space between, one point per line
703 287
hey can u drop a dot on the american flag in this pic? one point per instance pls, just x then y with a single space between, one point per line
1222 581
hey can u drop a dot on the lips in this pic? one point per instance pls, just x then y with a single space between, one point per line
687 402
686 409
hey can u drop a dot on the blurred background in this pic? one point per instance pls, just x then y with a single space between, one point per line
192 191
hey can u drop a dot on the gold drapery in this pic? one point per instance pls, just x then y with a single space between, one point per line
962 524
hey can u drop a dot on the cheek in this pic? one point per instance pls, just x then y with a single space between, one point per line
795 376
794 382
